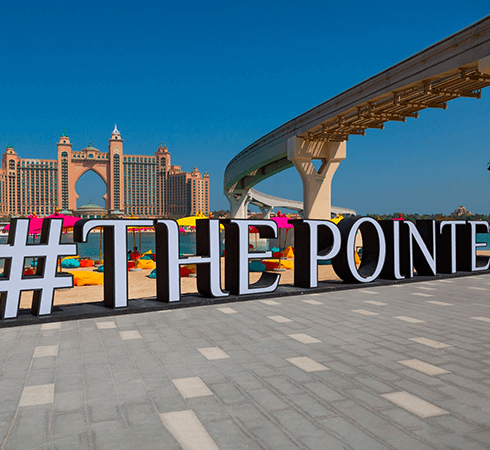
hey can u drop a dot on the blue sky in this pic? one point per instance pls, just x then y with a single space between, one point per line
210 78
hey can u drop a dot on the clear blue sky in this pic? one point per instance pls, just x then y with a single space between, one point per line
209 78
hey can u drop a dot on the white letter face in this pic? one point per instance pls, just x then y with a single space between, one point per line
312 245
115 255
237 257
373 253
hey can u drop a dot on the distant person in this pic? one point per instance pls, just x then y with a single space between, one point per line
135 255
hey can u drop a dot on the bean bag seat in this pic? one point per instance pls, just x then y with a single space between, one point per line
131 265
29 272
191 267
276 254
86 278
275 249
70 263
153 274
145 264
256 266
86 263
288 253
184 272
100 269
356 258
272 264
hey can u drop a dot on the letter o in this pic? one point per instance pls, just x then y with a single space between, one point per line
373 251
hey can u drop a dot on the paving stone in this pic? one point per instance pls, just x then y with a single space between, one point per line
323 391
213 353
267 399
355 437
188 431
227 310
423 367
430 342
228 393
307 364
297 424
409 319
37 395
47 350
191 387
313 302
364 312
106 325
130 334
482 319
228 436
51 326
279 319
414 404
270 302
274 437
435 302
304 338
70 430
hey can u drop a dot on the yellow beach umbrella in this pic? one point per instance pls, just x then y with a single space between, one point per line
190 221
337 219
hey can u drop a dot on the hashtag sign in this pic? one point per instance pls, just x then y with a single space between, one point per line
46 280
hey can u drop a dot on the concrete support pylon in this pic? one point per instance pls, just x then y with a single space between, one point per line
266 211
239 205
316 184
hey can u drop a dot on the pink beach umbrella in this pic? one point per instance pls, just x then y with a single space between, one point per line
282 222
35 226
68 221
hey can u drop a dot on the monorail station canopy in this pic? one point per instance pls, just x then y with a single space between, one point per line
456 67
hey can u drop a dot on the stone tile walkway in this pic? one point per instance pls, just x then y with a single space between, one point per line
361 369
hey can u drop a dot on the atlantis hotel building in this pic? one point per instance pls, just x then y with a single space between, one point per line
139 185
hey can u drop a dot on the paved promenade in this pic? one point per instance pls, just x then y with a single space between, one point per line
391 367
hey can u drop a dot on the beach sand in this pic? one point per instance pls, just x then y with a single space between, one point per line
140 286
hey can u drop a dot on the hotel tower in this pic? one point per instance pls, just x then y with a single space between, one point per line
139 185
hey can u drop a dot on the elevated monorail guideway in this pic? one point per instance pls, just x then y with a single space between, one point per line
458 66
268 202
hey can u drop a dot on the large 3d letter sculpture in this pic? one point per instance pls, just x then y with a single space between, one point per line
314 241
46 279
115 255
237 257
373 251
391 250
207 259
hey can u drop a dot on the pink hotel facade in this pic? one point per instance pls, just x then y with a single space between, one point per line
140 185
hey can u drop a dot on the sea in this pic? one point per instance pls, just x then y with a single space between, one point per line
146 241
